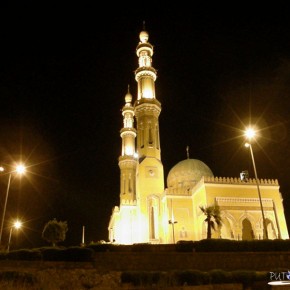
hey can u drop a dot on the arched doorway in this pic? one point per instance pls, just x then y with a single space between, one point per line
271 229
247 230
226 229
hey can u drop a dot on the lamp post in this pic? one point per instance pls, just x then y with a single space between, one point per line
20 169
172 222
17 225
250 133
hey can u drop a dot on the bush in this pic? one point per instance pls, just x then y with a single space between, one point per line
17 277
29 255
218 276
142 278
192 277
262 276
185 246
52 254
244 277
120 248
3 256
142 247
225 245
78 254
213 245
100 247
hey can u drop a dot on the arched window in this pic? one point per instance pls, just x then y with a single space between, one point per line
153 217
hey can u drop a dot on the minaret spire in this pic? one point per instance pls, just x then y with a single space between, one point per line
144 25
147 107
128 160
187 151
150 173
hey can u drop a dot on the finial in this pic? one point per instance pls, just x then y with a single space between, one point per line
144 25
187 151
128 97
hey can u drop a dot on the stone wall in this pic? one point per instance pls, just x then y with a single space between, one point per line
259 261
105 271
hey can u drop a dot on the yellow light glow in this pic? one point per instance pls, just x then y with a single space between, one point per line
250 133
124 234
17 224
20 168
129 151
147 94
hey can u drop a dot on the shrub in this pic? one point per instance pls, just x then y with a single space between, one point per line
52 254
78 254
245 277
120 248
29 255
192 277
218 276
142 247
18 277
101 247
185 246
225 245
3 256
142 278
262 276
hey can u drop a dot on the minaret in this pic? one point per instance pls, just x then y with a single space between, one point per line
147 107
128 160
150 175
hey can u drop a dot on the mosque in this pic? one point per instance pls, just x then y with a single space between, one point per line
150 212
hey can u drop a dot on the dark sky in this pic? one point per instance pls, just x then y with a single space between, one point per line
63 78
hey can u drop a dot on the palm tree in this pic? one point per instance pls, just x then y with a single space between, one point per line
213 217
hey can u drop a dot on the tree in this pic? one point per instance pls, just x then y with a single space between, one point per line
213 217
55 231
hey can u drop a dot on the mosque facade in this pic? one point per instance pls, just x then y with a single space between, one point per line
150 212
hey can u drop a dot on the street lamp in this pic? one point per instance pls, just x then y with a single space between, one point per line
172 222
17 225
250 133
20 169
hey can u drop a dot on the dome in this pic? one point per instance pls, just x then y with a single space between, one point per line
128 98
144 36
187 172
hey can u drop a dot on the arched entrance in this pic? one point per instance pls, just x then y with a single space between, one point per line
271 229
247 230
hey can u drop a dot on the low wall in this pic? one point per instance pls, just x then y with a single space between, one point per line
82 276
105 271
259 261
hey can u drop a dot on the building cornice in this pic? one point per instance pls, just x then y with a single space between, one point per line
238 181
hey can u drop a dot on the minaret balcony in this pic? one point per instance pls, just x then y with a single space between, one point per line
128 131
146 70
144 47
127 110
128 159
146 106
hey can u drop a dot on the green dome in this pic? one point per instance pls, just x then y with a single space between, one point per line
188 172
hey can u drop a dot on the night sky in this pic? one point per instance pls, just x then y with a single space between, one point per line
63 78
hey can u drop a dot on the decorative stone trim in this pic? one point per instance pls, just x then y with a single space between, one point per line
235 180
